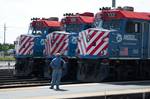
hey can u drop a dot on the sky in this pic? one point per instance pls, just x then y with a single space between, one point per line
17 14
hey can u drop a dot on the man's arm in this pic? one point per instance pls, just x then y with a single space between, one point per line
52 65
63 64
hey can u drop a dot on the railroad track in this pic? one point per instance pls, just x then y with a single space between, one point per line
11 82
8 82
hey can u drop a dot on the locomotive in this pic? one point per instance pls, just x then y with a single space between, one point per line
30 59
117 48
65 42
112 46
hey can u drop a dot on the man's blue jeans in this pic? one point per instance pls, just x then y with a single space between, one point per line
56 77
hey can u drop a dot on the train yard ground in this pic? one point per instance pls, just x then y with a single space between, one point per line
111 90
11 88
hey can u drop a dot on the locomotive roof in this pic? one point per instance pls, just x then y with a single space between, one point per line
79 18
87 19
120 14
47 23
52 23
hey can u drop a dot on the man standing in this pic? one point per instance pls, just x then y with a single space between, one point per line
57 65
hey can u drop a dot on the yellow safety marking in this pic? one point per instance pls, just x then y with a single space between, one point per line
103 93
37 87
87 84
41 97
21 88
90 94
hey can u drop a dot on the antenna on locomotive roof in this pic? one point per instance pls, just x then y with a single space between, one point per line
113 3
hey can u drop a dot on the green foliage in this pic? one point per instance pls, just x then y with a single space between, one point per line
6 58
5 47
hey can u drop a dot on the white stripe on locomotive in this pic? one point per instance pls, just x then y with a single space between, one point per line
61 43
26 45
102 45
28 50
92 40
79 44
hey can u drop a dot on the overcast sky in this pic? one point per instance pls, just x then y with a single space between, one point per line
16 14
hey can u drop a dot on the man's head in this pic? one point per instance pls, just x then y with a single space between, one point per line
57 54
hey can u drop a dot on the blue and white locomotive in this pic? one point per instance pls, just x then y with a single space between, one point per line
118 48
30 59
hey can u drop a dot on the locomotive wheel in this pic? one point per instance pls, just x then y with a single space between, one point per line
22 68
92 71
70 72
81 72
144 69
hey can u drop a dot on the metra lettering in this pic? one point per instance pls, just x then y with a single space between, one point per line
129 37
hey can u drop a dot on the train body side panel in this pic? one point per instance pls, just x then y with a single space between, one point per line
132 42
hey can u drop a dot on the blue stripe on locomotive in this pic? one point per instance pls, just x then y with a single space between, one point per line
72 45
38 46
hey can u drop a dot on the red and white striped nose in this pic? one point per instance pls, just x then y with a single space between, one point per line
93 42
57 43
26 45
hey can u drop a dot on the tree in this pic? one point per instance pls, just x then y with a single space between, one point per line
5 47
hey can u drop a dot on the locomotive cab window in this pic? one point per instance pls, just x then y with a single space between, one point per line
133 27
74 27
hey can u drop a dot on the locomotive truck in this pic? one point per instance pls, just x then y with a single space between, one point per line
117 48
30 60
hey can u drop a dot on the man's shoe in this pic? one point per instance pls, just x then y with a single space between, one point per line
51 87
57 89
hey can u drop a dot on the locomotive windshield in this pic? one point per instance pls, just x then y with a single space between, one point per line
113 24
54 29
76 27
108 24
36 31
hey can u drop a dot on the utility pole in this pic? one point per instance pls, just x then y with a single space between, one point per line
4 38
4 33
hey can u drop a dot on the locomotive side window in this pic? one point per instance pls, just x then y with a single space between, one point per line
146 27
133 27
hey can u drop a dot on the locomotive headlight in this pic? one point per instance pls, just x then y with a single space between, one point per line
103 52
